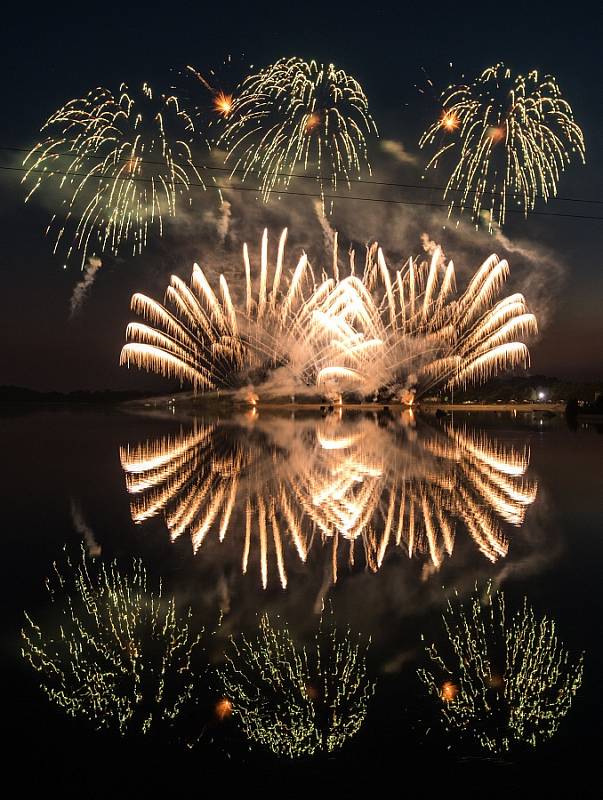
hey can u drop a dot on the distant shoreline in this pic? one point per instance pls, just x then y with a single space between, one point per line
431 407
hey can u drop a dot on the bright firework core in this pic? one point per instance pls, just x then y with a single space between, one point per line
398 333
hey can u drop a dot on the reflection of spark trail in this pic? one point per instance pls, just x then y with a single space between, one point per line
120 658
382 331
298 701
513 681
298 114
120 161
512 137
341 484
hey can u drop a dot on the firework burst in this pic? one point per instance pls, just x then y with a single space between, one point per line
298 701
510 138
121 164
120 656
215 101
299 115
402 332
505 680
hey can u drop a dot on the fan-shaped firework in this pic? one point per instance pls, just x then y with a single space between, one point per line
299 115
506 679
396 332
293 700
510 138
121 164
119 657
341 485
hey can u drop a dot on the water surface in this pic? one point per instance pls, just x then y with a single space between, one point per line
381 517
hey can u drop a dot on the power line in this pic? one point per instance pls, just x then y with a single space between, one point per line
233 171
288 193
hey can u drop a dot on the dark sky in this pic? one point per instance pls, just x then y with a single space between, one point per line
59 52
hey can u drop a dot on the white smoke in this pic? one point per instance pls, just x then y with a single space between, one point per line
82 288
220 219
430 247
396 225
397 151
79 523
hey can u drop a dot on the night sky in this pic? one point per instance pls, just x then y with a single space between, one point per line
58 52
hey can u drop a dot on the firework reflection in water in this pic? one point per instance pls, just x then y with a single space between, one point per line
502 679
120 657
345 484
298 701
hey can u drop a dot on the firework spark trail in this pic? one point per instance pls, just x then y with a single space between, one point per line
504 679
298 114
510 137
121 164
120 657
298 701
222 98
403 333
348 483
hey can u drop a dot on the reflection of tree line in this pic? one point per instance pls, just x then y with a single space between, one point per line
349 485
121 658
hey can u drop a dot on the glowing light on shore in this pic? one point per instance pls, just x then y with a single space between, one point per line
121 163
299 115
508 137
293 700
119 657
403 332
513 680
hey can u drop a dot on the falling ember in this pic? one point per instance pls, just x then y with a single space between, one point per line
223 103
400 333
299 115
131 165
496 133
513 137
496 681
223 709
449 691
312 122
312 692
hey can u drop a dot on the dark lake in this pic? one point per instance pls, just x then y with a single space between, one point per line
375 521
